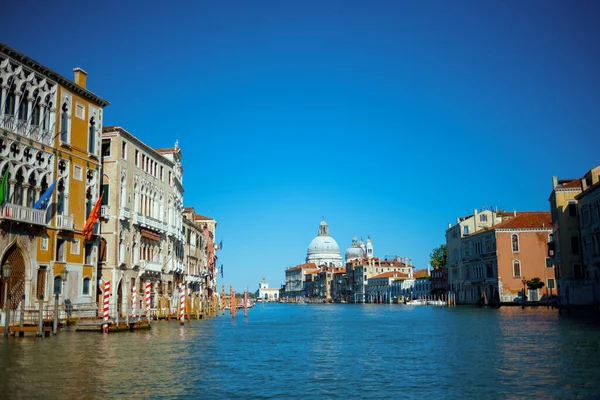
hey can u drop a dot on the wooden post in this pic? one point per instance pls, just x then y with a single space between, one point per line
246 303
40 331
55 322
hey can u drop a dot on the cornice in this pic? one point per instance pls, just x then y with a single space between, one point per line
61 80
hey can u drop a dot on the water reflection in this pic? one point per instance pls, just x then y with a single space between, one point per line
383 351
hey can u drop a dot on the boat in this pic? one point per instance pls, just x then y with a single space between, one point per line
436 303
415 302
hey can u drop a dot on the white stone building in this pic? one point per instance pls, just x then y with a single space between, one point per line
324 250
266 293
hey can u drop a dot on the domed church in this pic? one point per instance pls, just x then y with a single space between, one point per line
358 251
324 250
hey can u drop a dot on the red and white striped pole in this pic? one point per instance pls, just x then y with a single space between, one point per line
182 305
106 301
148 299
134 301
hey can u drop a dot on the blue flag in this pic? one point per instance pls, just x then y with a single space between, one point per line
221 270
44 200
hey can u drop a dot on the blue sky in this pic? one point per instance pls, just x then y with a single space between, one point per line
390 119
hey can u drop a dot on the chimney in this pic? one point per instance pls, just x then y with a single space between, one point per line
584 185
514 213
449 225
80 77
554 182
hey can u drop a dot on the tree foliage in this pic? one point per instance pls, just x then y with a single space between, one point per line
438 256
535 283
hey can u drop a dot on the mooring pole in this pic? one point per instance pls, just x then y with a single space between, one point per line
40 331
55 322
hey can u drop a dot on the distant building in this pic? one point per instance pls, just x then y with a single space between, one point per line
265 293
324 250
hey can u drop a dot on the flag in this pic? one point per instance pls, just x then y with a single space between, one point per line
92 218
221 270
3 187
44 200
220 245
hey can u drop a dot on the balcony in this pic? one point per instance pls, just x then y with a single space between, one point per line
23 128
105 212
17 213
124 213
64 222
151 266
149 222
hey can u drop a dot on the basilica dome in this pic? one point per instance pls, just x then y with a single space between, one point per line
355 251
324 250
323 245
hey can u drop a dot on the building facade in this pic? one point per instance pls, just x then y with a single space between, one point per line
141 221
50 162
464 227
585 287
497 261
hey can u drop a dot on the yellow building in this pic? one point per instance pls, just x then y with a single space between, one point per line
564 246
50 135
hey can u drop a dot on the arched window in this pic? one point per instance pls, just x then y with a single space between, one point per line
64 123
517 268
92 137
515 242
86 286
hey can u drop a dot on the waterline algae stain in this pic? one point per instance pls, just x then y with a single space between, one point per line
322 351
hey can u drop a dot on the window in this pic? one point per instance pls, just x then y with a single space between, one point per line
89 249
577 271
57 285
465 230
161 172
516 269
137 158
75 244
490 269
77 172
105 193
515 243
572 210
60 250
64 123
92 136
550 283
44 243
41 282
575 243
124 150
80 111
86 286
106 148
483 218
170 178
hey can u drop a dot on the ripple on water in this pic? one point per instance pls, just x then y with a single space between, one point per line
323 351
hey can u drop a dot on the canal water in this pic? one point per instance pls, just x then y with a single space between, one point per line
319 351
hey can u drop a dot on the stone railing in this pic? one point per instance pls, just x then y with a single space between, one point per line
105 211
124 213
64 222
25 128
154 266
149 222
23 214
